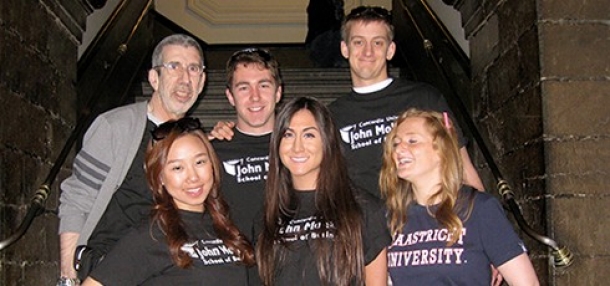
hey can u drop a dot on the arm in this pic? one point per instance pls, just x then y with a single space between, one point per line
496 277
89 171
80 191
91 282
376 272
471 177
501 243
519 271
67 243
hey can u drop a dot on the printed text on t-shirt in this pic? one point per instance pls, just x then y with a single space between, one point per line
367 133
416 252
248 169
306 229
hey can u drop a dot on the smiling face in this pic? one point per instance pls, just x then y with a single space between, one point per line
188 175
301 150
254 94
367 49
175 93
414 152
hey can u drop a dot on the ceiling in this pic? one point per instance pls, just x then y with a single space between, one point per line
245 21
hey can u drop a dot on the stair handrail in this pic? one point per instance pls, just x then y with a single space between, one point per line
89 53
37 204
562 257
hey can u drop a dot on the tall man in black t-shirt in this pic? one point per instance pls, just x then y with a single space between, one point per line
367 114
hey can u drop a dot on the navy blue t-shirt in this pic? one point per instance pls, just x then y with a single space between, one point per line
420 255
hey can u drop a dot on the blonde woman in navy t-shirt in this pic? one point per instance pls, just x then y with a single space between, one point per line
444 232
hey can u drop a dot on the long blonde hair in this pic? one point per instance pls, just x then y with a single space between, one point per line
399 192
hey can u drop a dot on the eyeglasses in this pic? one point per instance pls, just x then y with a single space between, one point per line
186 124
263 54
369 13
177 69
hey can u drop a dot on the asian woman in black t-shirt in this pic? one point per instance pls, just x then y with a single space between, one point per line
189 239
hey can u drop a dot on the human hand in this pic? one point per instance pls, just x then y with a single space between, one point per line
496 277
223 130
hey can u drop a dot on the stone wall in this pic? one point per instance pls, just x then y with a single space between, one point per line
575 88
38 54
541 88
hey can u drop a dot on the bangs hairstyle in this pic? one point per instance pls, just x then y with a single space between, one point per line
339 261
399 193
259 57
366 15
165 212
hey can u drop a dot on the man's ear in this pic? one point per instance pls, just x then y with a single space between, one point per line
278 94
391 51
344 50
230 96
153 79
201 83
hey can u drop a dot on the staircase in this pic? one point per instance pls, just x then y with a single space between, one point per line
326 84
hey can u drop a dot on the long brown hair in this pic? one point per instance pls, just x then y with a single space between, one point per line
339 261
165 212
399 193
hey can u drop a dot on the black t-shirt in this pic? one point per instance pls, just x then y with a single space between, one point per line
130 204
142 258
364 120
245 164
299 267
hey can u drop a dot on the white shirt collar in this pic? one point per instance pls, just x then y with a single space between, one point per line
154 119
374 87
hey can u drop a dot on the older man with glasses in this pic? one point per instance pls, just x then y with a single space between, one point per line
107 195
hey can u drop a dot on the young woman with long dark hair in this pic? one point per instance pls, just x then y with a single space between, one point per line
317 230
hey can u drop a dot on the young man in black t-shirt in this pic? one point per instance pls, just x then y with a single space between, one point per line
254 87
367 114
